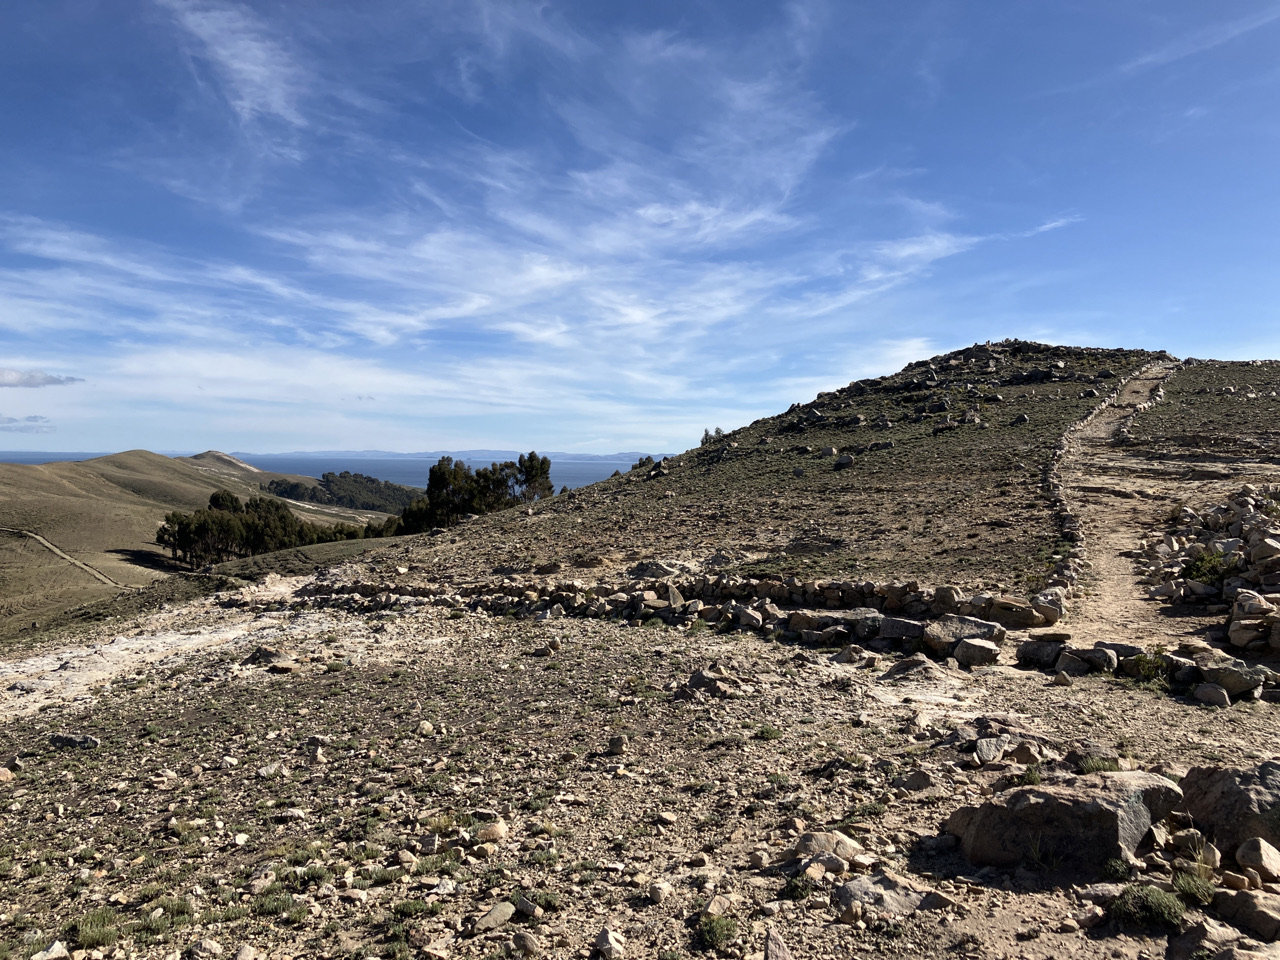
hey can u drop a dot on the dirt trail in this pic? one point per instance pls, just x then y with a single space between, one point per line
92 571
1120 496
65 674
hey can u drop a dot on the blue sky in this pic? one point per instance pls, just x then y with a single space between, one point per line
601 226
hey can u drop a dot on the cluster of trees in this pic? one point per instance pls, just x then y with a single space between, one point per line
228 529
455 490
352 490
709 436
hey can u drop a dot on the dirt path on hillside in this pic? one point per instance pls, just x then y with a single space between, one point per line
1120 496
92 571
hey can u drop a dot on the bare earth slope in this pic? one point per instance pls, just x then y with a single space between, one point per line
373 759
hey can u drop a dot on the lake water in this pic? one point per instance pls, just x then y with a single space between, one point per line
407 471
412 471
29 456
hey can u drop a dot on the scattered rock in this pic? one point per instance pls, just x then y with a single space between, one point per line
1212 694
611 944
774 947
493 832
1235 803
526 944
497 916
1039 654
74 741
884 894
1256 911
974 653
1255 853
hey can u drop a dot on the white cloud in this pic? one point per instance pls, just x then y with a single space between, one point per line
33 378
26 425
259 75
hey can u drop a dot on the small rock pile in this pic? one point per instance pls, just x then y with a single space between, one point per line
1198 669
1228 553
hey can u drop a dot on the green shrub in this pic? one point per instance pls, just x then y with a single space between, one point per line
272 904
1030 778
1210 568
797 888
1115 870
410 908
768 732
716 933
546 899
1099 764
97 928
1193 889
872 810
175 906
1145 906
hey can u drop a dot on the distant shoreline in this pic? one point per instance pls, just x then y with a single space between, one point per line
406 469
62 456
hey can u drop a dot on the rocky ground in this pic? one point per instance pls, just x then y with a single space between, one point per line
705 712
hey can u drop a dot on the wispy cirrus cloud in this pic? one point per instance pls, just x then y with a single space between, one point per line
1203 39
497 217
259 76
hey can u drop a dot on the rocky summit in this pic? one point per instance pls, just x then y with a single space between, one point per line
975 660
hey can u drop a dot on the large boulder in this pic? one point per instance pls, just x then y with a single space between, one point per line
942 635
1039 654
1076 825
916 668
1014 613
1235 676
831 841
1051 604
972 652
1253 910
899 628
883 893
1235 803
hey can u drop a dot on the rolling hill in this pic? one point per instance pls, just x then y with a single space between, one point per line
104 513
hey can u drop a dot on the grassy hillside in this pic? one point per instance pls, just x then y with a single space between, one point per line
104 512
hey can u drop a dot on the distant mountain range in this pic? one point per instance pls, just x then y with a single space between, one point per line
627 456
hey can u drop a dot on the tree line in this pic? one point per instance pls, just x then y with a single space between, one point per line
454 490
352 490
229 529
